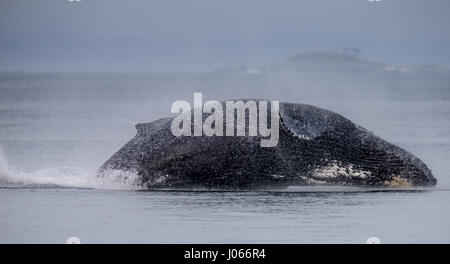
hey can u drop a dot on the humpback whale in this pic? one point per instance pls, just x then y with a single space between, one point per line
316 147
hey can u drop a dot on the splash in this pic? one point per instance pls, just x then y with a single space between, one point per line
65 177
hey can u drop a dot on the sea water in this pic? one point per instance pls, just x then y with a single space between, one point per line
56 129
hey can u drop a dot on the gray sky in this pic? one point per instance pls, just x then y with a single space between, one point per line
192 35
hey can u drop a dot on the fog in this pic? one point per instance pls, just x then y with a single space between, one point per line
199 35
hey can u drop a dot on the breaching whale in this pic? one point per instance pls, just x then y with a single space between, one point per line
316 147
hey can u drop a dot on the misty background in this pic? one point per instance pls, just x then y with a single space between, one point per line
200 35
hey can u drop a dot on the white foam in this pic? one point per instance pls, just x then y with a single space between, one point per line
68 177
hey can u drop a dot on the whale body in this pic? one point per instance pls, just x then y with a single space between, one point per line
316 147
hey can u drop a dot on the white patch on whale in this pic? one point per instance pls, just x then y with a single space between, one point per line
336 168
278 176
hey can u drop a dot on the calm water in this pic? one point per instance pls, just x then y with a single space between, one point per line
56 130
53 215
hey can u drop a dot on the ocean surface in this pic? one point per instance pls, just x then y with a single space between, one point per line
56 129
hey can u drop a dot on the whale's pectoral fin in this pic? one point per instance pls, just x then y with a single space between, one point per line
303 121
297 128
